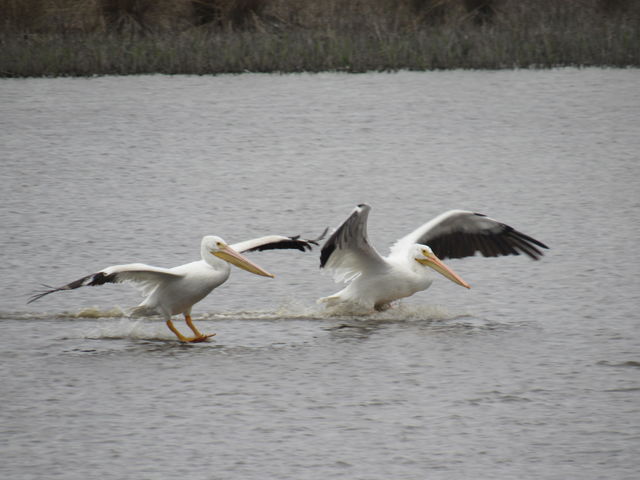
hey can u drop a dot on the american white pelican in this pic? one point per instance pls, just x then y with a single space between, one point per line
173 291
375 281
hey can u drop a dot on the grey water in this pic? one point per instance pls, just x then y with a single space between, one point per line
533 373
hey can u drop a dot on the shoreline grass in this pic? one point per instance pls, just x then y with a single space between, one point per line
540 34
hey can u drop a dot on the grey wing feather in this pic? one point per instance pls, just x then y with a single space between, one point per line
347 251
460 233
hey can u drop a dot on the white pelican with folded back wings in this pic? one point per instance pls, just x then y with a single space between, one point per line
173 291
375 281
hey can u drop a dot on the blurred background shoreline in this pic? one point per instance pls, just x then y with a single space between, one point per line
49 38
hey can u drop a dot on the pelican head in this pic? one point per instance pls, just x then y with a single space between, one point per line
425 256
216 246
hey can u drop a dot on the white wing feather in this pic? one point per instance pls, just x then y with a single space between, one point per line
144 277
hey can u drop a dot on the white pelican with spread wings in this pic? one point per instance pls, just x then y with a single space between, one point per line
174 291
375 281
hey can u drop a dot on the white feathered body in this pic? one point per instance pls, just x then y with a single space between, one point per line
174 291
379 287
177 295
376 281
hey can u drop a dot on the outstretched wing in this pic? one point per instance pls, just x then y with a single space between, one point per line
143 276
273 242
347 251
460 233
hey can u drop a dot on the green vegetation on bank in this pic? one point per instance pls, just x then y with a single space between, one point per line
100 37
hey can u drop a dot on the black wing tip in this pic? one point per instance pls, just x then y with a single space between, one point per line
305 244
504 243
526 238
493 239
282 245
291 243
294 243
537 242
325 253
99 278
526 244
522 236
39 294
316 241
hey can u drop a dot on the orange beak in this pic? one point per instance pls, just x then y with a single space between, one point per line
228 254
434 262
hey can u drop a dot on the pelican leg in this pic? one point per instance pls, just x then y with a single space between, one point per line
182 338
173 328
199 337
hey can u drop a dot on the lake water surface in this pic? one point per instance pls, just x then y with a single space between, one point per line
533 373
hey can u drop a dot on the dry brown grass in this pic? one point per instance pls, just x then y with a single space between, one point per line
89 16
39 16
131 16
84 37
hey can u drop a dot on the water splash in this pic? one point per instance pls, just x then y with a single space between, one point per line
131 329
399 312
290 310
95 312
296 311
